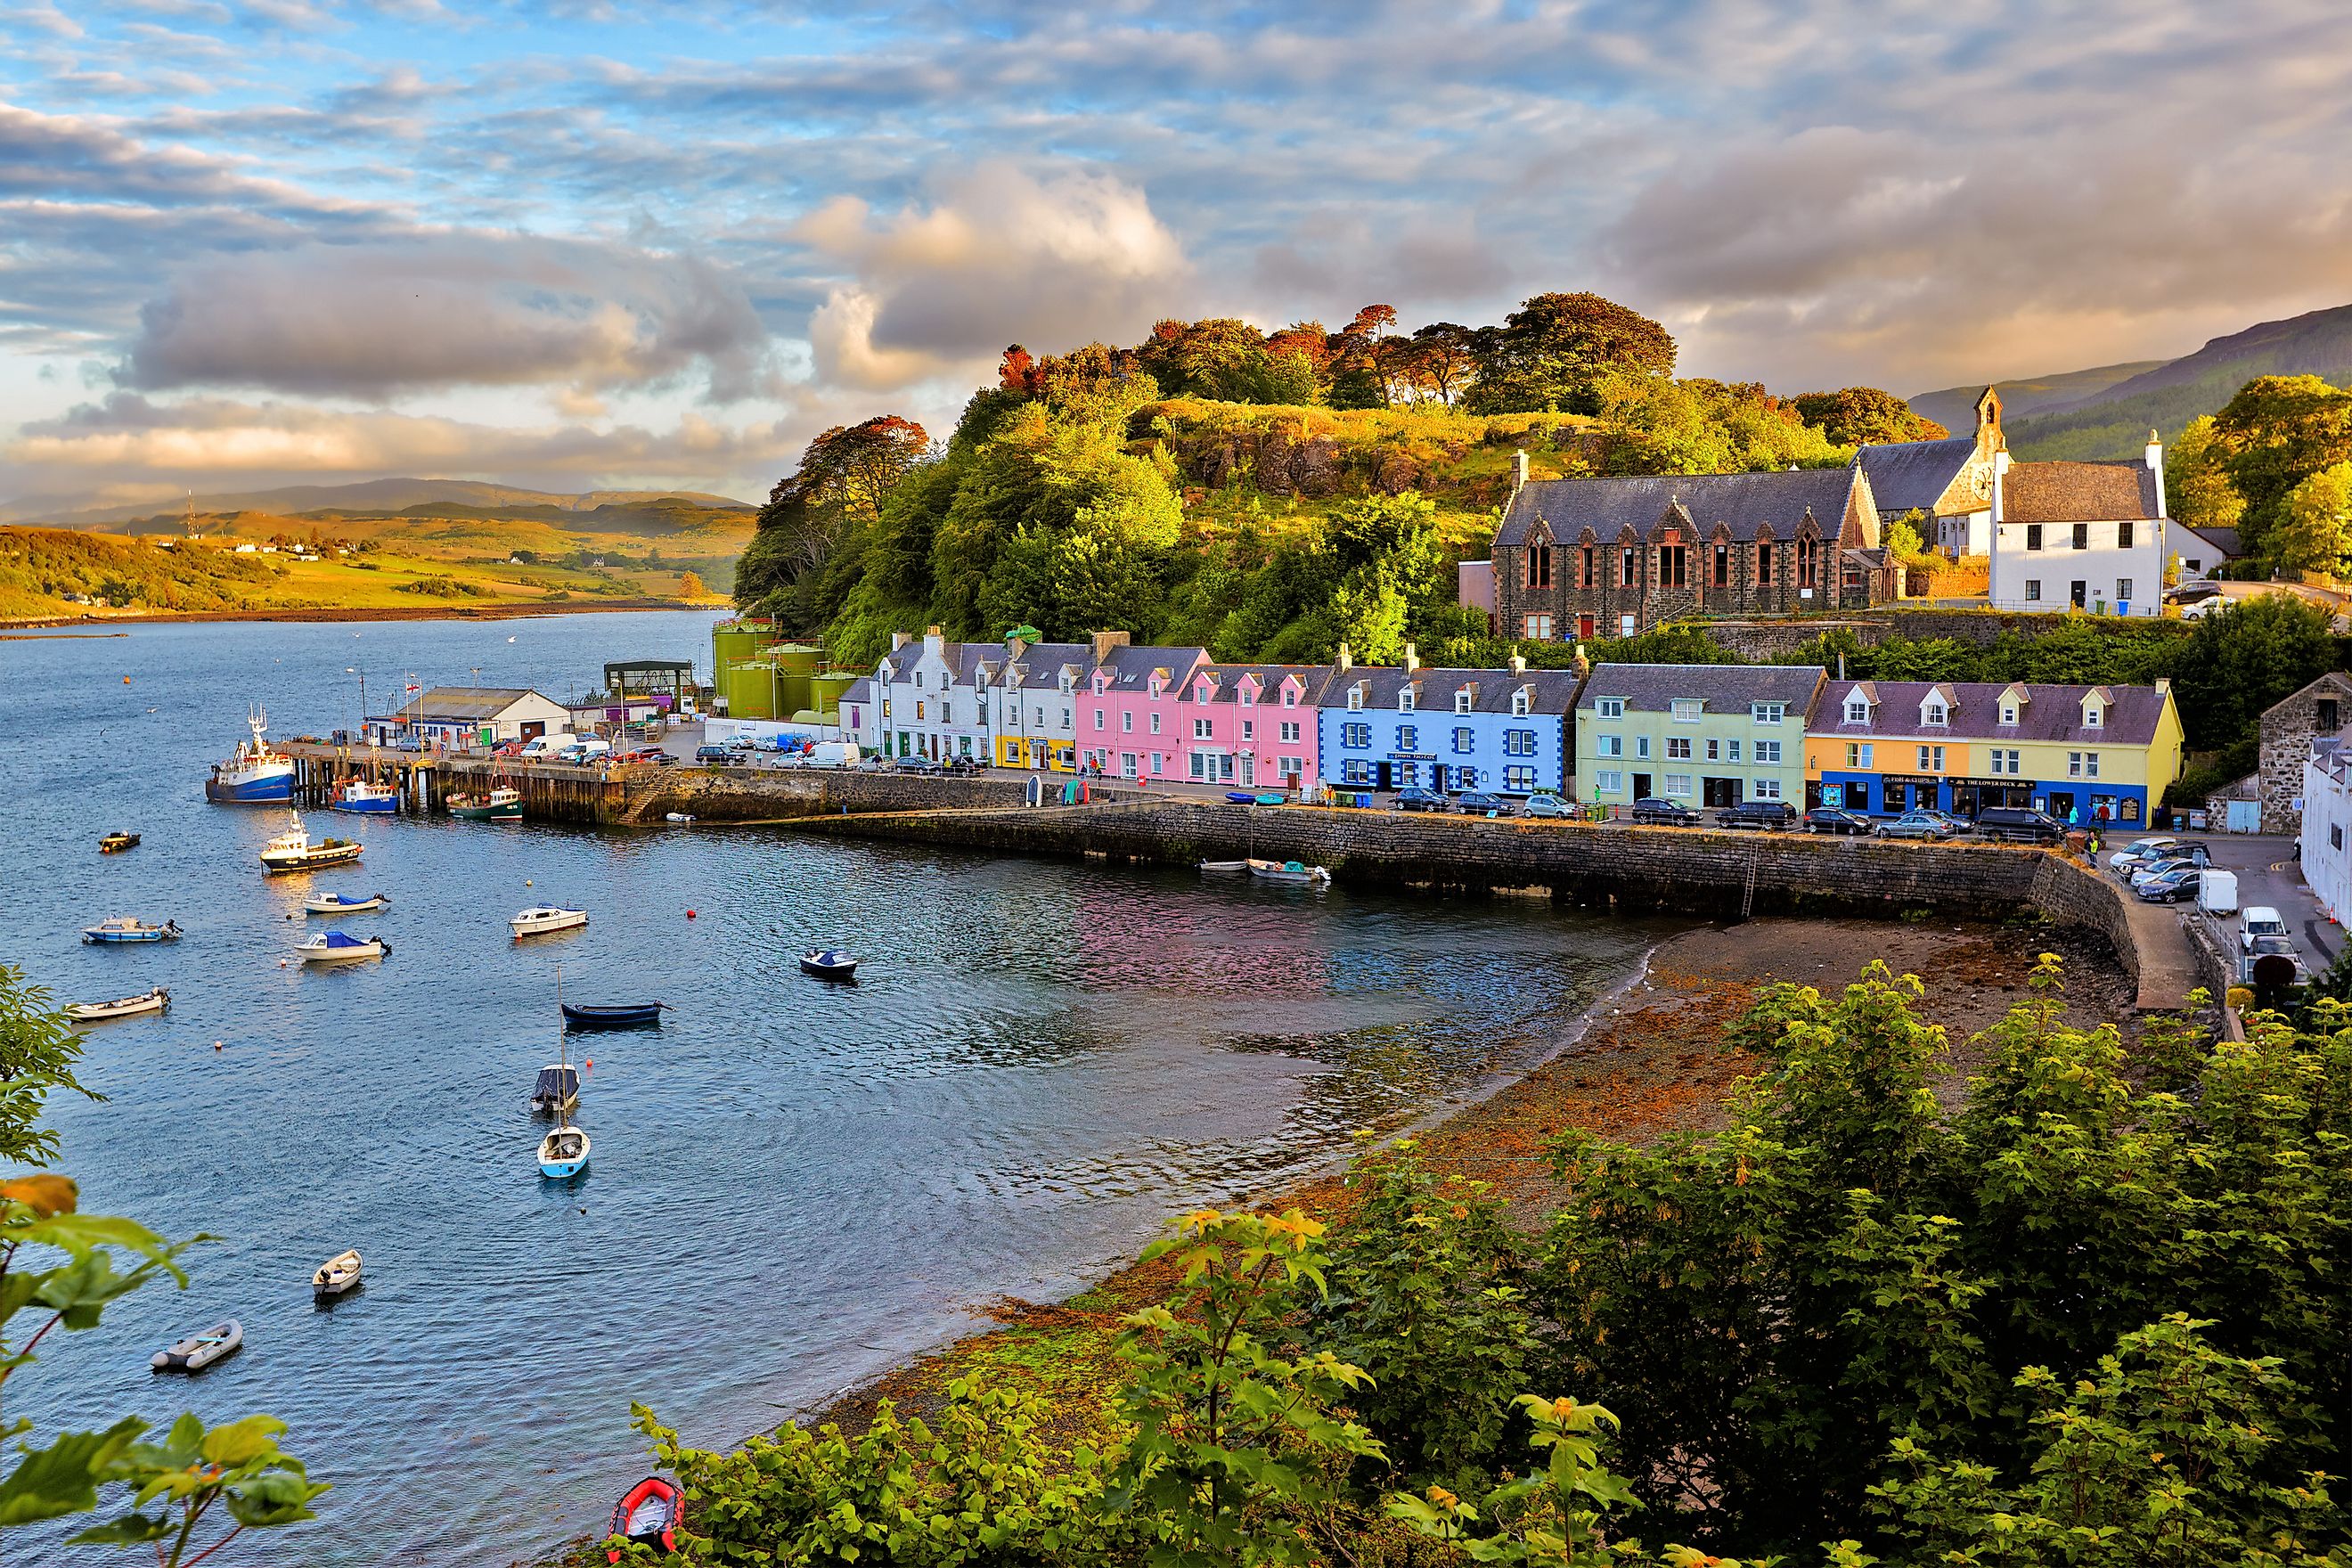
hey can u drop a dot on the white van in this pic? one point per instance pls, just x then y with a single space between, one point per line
546 745
832 755
2260 920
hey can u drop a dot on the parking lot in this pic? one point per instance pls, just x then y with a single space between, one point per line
2267 874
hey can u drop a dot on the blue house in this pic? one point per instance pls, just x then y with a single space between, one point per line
1500 730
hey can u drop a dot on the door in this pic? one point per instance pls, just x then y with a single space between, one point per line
2245 816
2080 594
1249 773
1387 775
2061 804
1719 792
1584 628
533 729
1641 786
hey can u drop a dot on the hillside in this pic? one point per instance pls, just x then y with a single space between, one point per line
1955 407
367 496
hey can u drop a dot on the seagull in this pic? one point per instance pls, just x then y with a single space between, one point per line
583 1211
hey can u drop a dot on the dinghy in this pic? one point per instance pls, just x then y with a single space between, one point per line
337 1275
154 1001
677 816
343 904
828 963
198 1352
116 843
340 947
558 1089
123 928
1224 865
614 1015
1289 871
541 918
648 1514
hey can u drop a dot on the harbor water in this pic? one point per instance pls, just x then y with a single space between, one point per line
793 1185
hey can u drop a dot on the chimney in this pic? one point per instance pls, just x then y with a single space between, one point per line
1519 664
1106 641
935 641
900 640
1840 666
2163 684
2156 466
1345 660
1583 666
1519 471
1411 658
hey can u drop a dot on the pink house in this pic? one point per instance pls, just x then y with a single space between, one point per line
1128 723
1251 725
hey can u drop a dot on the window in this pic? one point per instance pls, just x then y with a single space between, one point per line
1356 735
1249 729
1858 754
1202 729
1519 703
1520 780
1589 581
1539 565
2324 714
1040 719
1290 696
1462 702
1767 713
1732 749
2082 536
1931 759
1609 746
1626 627
1714 750
1767 751
886 707
2123 590
1674 566
1127 722
1678 748
1245 697
1289 731
1100 717
1763 561
1408 738
1934 713
1687 709
2006 762
1857 710
2082 764
2033 536
1518 742
919 711
1356 770
1809 551
1538 628
2008 713
1612 708
1608 781
2123 536
1466 740
1155 723
1678 784
1641 745
1723 566
1355 700
1764 789
1405 699
2033 590
1294 767
2336 836
1625 568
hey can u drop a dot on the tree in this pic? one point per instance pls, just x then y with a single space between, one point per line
2244 658
2197 488
2278 431
843 475
1856 415
2314 532
689 585
1555 350
1442 361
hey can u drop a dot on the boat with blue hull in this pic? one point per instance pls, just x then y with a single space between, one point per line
124 929
358 794
253 773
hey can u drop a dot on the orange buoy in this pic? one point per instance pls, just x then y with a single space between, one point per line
690 914
126 680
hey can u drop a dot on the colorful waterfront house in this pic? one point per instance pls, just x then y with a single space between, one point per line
932 697
2083 753
1032 703
1128 709
1500 730
1700 734
1251 725
861 714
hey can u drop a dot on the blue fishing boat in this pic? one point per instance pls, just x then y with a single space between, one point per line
358 794
253 773
122 928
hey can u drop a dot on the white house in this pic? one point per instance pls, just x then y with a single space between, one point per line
2082 536
2326 857
861 715
1033 703
932 697
473 715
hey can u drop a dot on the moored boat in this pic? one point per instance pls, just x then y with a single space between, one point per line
336 1276
563 1152
154 1001
614 1016
1224 865
503 804
343 903
1289 871
358 794
556 1088
648 1514
116 843
341 947
123 928
294 849
829 963
199 1350
541 918
253 773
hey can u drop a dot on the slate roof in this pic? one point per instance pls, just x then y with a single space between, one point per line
969 663
1042 663
860 691
1129 668
1553 690
1270 677
2049 712
1904 475
2224 540
466 702
1723 688
2077 493
1743 502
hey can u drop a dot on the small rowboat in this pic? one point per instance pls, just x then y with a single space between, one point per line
1290 872
545 918
558 1089
337 1275
678 816
342 904
341 947
198 1352
648 1514
828 963
562 1153
615 1015
116 843
154 1001
1271 797
122 928
1242 796
1224 865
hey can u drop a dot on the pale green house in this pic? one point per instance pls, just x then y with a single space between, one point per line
1698 734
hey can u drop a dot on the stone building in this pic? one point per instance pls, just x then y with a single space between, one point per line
2320 711
1577 559
1949 481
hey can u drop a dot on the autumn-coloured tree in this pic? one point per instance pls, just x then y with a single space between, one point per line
689 585
1857 414
1556 350
1442 361
839 485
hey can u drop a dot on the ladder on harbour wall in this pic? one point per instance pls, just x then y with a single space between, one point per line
1748 893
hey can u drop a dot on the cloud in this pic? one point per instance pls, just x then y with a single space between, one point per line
437 311
1003 256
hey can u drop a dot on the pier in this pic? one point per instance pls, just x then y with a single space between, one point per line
424 780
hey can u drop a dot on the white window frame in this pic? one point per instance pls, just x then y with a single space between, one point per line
1609 708
1764 789
1673 784
1609 781
1688 709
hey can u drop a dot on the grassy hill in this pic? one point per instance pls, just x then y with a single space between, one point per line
1955 407
366 495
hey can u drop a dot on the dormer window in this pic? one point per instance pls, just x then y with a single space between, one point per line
1519 703
2008 713
1857 710
1290 696
1934 713
1404 700
2094 716
1687 709
1462 702
1355 700
1246 696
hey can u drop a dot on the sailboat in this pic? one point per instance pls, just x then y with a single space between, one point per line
563 1152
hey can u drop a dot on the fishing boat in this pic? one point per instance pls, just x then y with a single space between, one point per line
199 1350
828 963
253 773
540 918
621 1016
358 794
1290 872
503 804
648 1514
123 928
337 1276
116 843
154 1001
1224 865
556 1088
344 903
294 851
340 947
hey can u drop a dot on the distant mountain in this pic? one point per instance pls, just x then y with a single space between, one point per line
2093 414
367 494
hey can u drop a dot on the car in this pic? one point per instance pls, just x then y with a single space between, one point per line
1413 797
921 765
2173 887
2272 962
2154 868
1927 824
1770 815
2019 824
2258 920
966 766
1544 803
1479 803
717 756
2139 852
1655 811
1836 819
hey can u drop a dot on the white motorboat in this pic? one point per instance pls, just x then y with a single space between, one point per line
563 1152
1224 865
344 904
678 816
117 930
199 1350
294 851
154 1001
337 1275
341 947
541 918
1290 872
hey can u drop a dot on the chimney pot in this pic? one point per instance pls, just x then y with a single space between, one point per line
1518 471
1346 660
1412 657
1519 664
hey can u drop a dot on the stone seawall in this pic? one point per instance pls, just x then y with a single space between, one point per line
769 794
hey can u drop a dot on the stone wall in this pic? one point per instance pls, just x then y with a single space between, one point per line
2072 895
1761 642
2288 728
769 794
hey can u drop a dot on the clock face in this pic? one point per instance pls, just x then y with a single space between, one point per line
1981 482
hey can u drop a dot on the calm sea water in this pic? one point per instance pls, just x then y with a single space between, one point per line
793 1186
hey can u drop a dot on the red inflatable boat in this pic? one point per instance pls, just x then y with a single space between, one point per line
647 1512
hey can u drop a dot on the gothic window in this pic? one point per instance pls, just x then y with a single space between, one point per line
1539 565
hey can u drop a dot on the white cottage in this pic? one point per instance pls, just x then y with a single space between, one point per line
932 697
2081 536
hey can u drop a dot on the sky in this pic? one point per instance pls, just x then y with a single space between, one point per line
598 244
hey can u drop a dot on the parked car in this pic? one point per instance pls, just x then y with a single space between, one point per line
1655 811
1413 797
2175 886
717 756
1925 824
2164 867
966 766
2258 920
2138 852
2020 824
2272 962
1836 819
1546 804
921 765
1481 803
1770 816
